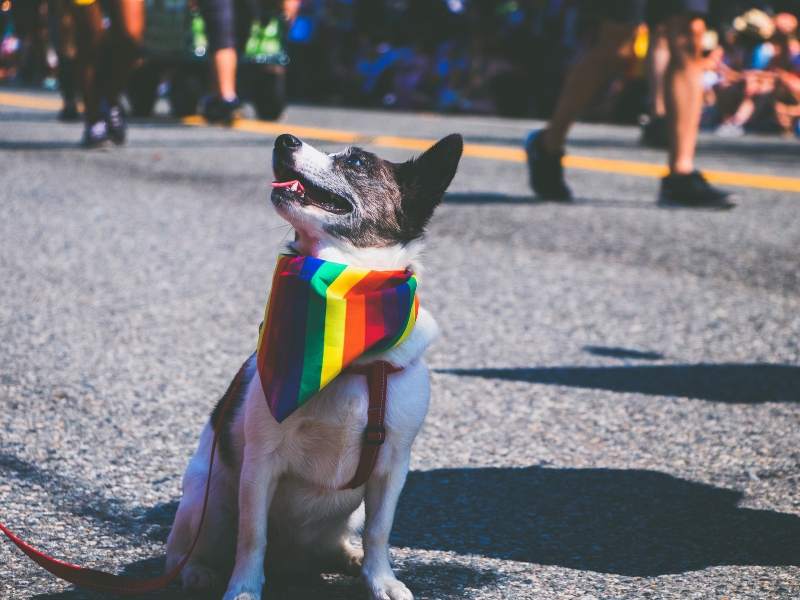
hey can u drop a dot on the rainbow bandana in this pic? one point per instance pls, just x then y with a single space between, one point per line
320 317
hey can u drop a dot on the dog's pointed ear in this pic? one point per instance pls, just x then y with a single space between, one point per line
423 180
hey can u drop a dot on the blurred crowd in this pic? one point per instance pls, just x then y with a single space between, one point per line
503 57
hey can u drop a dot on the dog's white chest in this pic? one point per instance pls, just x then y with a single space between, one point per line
324 442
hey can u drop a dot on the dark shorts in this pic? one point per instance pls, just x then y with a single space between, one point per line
228 22
651 12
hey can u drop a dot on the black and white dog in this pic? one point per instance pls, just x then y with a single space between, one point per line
275 488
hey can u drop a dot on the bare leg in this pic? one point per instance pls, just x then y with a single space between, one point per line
224 71
658 61
614 45
684 95
684 92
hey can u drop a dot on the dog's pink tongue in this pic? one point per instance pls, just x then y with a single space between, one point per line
293 185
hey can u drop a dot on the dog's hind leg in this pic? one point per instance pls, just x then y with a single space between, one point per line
202 571
334 548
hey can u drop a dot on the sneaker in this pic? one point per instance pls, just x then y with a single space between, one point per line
218 110
545 170
729 130
692 191
69 113
117 124
654 133
95 135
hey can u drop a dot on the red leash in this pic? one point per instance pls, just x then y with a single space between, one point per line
108 582
374 435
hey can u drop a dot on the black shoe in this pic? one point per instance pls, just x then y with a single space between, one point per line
95 135
217 110
692 191
545 170
654 133
117 125
69 113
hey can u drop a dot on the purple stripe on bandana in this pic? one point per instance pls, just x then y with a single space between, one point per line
391 316
291 356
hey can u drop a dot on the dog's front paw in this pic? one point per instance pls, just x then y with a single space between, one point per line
388 588
238 592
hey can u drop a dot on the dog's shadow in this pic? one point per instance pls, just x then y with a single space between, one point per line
627 522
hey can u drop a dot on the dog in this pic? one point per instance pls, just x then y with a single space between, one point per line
274 499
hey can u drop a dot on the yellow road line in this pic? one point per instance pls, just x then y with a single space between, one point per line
483 151
28 101
272 128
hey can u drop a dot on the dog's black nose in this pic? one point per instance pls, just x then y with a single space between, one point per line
287 141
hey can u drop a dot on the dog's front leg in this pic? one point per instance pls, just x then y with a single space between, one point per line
382 494
257 484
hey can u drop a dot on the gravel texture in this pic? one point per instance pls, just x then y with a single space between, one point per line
616 391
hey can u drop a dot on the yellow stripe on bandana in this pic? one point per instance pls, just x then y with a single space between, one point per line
335 313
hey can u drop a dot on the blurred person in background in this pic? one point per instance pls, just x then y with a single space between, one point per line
759 76
228 26
105 59
655 133
684 28
37 42
221 29
29 25
62 37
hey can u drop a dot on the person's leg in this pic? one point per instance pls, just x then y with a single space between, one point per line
654 130
684 91
27 22
88 20
224 71
62 37
545 148
658 56
613 47
684 186
221 27
127 29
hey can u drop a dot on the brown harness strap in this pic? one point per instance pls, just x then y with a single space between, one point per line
377 374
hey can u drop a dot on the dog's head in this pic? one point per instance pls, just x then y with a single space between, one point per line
355 200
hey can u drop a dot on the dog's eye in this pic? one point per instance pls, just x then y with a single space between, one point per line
354 161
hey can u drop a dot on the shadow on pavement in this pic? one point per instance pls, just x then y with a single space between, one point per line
142 569
623 353
490 198
733 383
75 496
427 580
628 522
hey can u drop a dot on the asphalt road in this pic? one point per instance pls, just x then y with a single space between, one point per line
616 395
